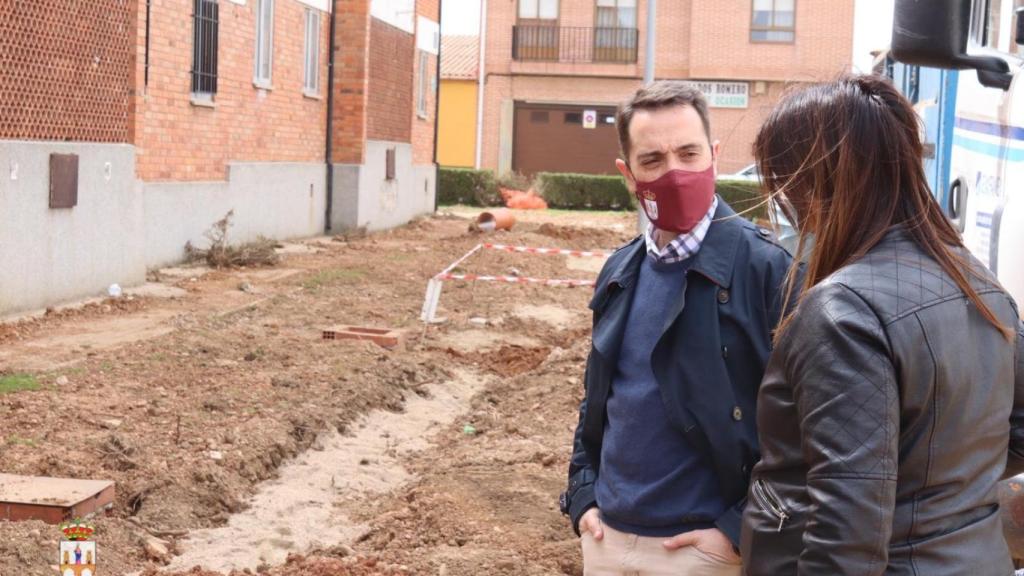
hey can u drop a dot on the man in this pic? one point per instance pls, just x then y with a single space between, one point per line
683 320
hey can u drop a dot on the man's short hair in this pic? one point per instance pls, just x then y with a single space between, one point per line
657 95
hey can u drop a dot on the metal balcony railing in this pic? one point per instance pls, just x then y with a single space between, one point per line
545 43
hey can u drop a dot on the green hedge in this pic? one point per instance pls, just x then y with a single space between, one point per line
469 187
579 191
584 191
743 195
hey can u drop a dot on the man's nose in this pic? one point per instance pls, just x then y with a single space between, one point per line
674 163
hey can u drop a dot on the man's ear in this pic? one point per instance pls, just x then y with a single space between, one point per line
626 173
716 150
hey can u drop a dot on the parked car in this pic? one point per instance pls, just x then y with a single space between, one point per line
749 174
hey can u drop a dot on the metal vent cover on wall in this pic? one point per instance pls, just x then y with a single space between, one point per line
63 180
389 168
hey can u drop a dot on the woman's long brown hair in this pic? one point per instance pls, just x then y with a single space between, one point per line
844 159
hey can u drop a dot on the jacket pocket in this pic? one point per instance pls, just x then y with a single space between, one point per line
768 500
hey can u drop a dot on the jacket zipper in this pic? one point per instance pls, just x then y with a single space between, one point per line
769 500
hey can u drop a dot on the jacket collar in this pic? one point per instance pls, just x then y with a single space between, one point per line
715 260
717 256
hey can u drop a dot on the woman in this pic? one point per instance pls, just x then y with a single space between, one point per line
896 389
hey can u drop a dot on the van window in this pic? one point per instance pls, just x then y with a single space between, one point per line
1016 49
993 23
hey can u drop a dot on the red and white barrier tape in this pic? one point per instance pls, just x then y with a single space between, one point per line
434 287
515 280
557 251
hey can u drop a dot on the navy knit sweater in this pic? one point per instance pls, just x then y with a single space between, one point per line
652 482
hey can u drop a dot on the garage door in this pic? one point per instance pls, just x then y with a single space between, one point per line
553 138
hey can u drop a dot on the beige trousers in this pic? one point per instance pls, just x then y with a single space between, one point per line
621 554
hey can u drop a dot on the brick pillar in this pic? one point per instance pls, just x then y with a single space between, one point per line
351 65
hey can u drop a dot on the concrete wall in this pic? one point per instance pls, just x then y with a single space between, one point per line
363 197
122 226
50 256
276 200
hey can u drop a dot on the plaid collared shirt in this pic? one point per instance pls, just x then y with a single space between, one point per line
686 244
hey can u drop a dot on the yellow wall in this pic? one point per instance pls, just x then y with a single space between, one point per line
456 139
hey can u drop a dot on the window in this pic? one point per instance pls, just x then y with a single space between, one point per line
773 21
615 36
994 24
264 42
422 84
311 82
537 35
616 14
204 47
1017 5
538 9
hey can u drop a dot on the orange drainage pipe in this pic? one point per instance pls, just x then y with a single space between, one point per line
500 219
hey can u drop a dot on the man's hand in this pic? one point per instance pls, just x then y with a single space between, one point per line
712 542
591 522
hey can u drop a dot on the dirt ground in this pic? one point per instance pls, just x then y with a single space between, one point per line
242 442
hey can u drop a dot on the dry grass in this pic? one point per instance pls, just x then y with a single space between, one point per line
221 254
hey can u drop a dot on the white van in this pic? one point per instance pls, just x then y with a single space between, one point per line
976 134
985 138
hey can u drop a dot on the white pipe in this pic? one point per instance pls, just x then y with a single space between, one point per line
481 74
652 39
649 52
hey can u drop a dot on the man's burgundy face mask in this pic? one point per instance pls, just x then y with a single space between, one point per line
678 200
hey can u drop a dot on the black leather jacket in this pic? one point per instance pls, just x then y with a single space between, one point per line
889 411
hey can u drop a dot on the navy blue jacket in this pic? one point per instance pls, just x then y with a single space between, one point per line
708 362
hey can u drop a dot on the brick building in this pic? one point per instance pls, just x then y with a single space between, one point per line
166 114
556 69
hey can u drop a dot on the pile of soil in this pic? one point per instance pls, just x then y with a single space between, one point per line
189 422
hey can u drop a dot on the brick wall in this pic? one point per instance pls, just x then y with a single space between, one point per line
734 128
180 141
567 90
391 83
423 126
721 47
697 39
706 39
352 38
501 17
673 57
66 70
497 90
430 9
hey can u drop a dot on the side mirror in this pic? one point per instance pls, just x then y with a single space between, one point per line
935 34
